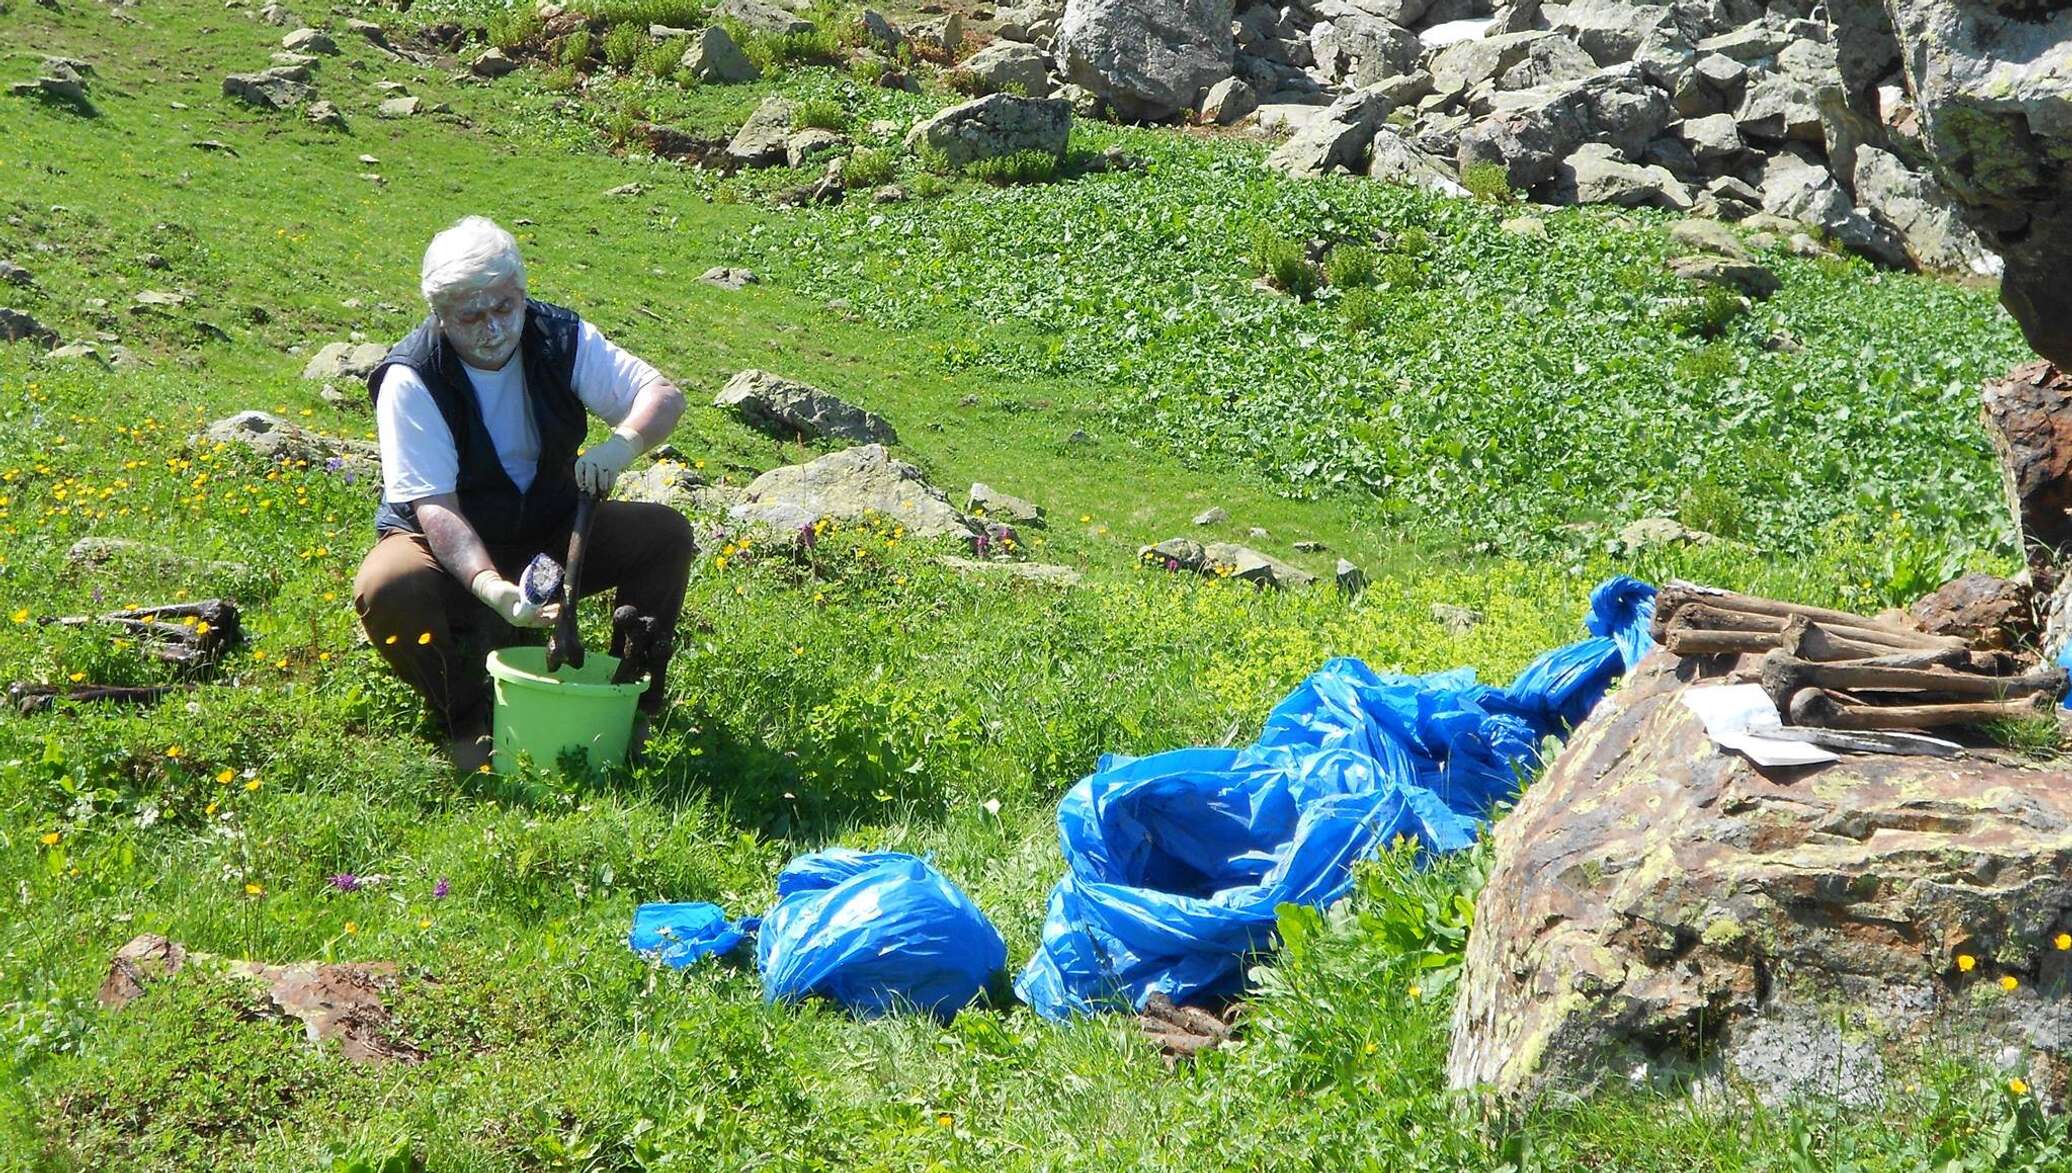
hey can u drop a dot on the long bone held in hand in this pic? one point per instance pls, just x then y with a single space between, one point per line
565 645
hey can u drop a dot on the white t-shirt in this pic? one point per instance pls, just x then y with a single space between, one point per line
418 457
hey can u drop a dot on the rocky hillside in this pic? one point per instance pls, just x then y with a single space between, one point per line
1723 108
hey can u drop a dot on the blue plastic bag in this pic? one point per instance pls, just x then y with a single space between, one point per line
1177 861
876 932
679 934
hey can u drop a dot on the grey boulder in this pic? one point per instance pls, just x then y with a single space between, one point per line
1008 67
713 58
995 125
789 409
1147 59
852 485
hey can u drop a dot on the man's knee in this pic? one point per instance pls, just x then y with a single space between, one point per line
661 532
388 586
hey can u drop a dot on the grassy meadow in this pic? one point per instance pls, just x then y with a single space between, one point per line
1471 423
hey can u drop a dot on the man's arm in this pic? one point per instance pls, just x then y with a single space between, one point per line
653 415
459 549
453 540
642 405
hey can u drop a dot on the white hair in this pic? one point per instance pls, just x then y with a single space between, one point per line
473 253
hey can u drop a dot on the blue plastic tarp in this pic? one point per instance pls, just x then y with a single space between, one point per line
678 934
877 932
1177 861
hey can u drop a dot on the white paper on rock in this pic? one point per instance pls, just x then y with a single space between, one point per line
1742 717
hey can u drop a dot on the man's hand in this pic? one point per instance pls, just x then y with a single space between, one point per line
600 466
502 596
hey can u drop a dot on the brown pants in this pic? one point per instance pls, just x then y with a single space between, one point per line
437 636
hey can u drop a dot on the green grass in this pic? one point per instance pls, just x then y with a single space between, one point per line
884 701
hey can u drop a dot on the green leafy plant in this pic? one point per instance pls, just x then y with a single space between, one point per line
1350 266
1490 182
1014 167
623 44
1363 310
575 49
868 167
515 29
660 60
1284 263
820 113
1708 314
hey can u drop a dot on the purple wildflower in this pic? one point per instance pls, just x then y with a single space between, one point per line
345 882
1172 564
334 464
807 537
440 889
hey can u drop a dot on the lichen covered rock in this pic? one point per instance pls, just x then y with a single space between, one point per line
1660 906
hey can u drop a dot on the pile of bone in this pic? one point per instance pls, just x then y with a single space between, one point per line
1830 669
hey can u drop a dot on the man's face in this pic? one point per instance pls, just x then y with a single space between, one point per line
483 324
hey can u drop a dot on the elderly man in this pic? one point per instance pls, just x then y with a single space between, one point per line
481 412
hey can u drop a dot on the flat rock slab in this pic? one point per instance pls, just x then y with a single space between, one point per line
1661 907
790 409
344 360
271 436
346 1003
851 486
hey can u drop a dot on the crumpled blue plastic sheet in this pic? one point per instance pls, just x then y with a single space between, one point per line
877 932
1176 861
678 934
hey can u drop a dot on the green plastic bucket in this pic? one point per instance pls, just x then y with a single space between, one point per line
545 716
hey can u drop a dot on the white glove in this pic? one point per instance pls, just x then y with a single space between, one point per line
502 596
598 467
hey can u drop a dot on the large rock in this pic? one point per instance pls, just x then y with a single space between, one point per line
1983 610
1148 59
1913 203
790 410
991 502
1594 174
2028 417
1658 907
16 326
1360 50
1006 67
344 361
1337 141
1617 31
851 486
997 124
1461 66
1714 84
1394 159
713 57
276 439
1995 101
1529 132
280 88
1780 108
1808 193
762 17
762 140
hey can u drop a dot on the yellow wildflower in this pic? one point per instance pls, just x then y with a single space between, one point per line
174 752
21 615
2063 941
389 640
424 922
2010 982
50 839
423 638
2018 1086
255 889
351 928
251 786
1966 962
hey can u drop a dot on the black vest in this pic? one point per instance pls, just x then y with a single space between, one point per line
489 499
